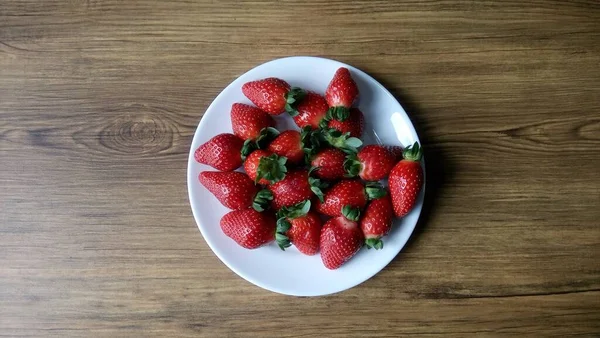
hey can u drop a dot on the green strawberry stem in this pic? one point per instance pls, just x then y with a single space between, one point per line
352 214
292 99
352 165
262 199
375 243
374 190
272 168
413 152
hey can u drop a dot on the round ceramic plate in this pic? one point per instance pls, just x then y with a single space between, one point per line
291 272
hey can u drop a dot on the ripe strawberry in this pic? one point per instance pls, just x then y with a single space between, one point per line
372 163
299 226
248 121
341 238
297 186
377 221
396 151
330 164
289 145
235 190
249 228
222 152
264 167
354 124
341 93
348 192
311 111
406 180
273 95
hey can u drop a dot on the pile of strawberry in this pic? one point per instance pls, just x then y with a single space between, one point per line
294 178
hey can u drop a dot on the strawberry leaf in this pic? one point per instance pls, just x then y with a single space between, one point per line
375 243
262 199
413 152
292 99
374 190
352 165
283 225
266 136
272 168
317 186
248 147
352 214
341 141
338 113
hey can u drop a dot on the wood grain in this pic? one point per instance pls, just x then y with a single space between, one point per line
99 100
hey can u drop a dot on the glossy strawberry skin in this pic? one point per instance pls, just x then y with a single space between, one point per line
235 190
221 152
268 94
311 111
252 162
293 189
342 90
405 183
346 192
330 163
305 233
377 218
340 240
247 121
354 124
249 228
289 145
376 162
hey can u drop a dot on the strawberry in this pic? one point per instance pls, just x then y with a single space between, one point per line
372 163
341 239
248 121
377 221
348 192
222 152
235 190
354 124
341 93
405 180
297 186
249 228
299 226
330 164
311 111
264 167
289 145
273 95
396 151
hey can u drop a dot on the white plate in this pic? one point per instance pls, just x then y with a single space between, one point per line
291 272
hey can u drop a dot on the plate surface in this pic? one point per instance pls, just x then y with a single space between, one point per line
291 272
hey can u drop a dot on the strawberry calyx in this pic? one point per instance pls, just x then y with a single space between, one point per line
292 99
317 185
339 113
283 223
374 190
375 243
352 165
272 168
352 214
342 141
265 136
413 152
262 200
310 141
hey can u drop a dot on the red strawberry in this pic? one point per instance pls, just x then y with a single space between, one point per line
341 238
372 163
311 111
330 164
299 226
297 186
377 221
235 190
222 152
406 180
289 145
354 124
348 192
249 228
273 95
248 121
265 167
342 90
396 151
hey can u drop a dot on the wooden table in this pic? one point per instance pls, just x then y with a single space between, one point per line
99 101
